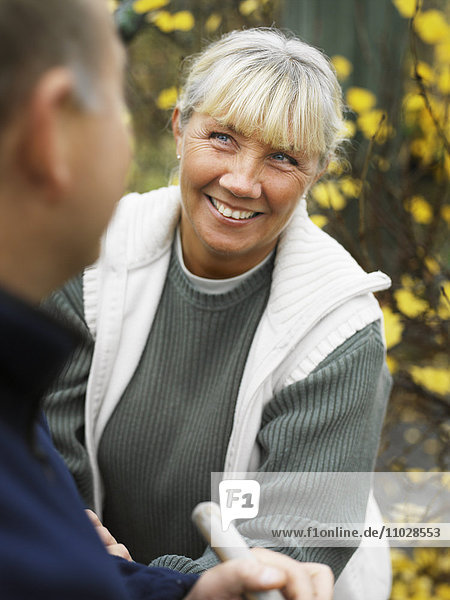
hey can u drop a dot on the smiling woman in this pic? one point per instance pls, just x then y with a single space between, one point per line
238 195
224 331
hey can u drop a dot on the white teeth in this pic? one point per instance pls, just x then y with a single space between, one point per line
234 214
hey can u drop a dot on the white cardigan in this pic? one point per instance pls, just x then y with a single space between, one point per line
319 298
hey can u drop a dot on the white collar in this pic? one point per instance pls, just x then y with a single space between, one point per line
215 286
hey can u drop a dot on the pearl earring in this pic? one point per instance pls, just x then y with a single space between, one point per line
178 156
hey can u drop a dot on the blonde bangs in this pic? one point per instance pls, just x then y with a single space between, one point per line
265 104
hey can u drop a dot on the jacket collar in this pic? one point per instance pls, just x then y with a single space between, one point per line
143 230
33 348
313 273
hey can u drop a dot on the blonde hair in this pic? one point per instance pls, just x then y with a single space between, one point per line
268 85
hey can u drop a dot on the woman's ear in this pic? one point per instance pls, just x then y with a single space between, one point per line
176 129
321 172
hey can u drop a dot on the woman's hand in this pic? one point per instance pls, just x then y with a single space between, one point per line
108 540
296 580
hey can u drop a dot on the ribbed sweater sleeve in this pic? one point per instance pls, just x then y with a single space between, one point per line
65 400
329 421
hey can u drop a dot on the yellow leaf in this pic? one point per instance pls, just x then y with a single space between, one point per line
348 130
360 99
334 167
213 22
342 66
432 265
167 98
443 591
413 106
416 476
351 187
436 380
319 220
400 591
406 8
431 446
408 282
393 327
374 123
183 20
423 149
424 583
409 415
166 22
431 26
382 163
445 476
444 302
392 364
413 102
143 6
425 557
444 81
327 195
445 212
409 304
248 6
425 72
163 21
401 561
447 165
420 210
442 52
443 562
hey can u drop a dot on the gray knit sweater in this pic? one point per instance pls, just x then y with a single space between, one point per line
172 425
161 444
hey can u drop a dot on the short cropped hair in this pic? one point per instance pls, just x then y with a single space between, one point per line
37 35
267 84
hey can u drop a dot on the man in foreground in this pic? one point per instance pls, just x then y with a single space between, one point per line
63 157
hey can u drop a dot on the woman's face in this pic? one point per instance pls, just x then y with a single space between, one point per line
238 195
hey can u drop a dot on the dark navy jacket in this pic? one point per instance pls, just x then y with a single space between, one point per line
48 548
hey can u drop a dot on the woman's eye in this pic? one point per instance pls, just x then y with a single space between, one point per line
221 137
282 157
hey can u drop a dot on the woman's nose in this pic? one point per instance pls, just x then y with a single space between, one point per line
242 180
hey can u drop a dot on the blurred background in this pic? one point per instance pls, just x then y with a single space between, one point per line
387 202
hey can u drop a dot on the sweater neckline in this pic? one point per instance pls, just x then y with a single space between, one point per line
260 277
215 286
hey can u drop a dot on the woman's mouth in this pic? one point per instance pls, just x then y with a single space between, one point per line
237 215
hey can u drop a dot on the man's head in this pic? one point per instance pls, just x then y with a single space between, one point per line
63 143
36 36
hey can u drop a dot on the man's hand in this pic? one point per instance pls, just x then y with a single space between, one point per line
296 580
231 580
109 541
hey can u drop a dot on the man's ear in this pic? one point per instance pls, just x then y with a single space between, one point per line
44 150
176 129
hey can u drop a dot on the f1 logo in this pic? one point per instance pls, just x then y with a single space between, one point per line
239 499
